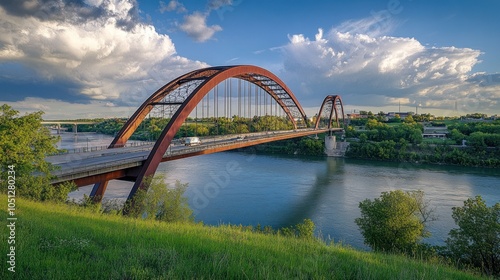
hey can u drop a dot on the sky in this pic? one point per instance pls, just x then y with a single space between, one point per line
102 58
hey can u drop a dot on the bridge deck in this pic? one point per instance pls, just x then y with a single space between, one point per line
125 163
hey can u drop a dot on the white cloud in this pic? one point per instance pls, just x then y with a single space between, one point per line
195 25
173 5
60 110
382 70
101 57
217 4
374 26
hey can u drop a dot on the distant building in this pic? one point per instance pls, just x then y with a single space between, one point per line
354 116
402 115
434 135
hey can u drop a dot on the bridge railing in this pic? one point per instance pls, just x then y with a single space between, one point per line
68 173
208 143
137 160
99 148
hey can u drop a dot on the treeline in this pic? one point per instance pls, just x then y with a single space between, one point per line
404 143
297 146
375 130
477 134
424 153
151 128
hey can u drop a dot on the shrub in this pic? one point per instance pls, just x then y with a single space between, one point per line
160 202
303 230
476 241
395 222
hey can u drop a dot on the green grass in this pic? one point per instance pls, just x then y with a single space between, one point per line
63 242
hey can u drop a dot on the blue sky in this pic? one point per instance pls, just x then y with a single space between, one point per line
102 58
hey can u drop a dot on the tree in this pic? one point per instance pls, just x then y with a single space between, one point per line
160 202
476 139
363 138
24 143
456 136
409 119
476 241
395 222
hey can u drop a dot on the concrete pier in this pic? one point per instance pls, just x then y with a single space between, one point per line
334 148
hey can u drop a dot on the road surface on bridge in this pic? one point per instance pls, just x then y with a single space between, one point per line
96 164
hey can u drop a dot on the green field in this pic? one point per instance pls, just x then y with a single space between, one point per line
56 241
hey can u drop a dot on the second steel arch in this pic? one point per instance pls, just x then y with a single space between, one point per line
336 107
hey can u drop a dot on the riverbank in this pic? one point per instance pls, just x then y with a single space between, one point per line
389 150
56 241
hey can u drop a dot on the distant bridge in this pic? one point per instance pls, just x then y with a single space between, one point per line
241 91
58 123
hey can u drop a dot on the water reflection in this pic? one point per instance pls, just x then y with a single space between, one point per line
313 198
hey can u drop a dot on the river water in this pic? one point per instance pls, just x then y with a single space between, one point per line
249 189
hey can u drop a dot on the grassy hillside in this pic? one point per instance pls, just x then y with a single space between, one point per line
63 242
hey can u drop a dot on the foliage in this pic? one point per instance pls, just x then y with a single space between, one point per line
436 154
481 139
108 126
409 119
296 146
151 128
483 143
476 241
308 146
58 192
24 143
456 136
160 202
378 131
395 222
303 230
471 127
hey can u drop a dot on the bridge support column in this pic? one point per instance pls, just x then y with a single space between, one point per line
98 191
75 128
330 142
334 148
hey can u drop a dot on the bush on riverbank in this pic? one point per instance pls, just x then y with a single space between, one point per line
395 222
57 241
476 241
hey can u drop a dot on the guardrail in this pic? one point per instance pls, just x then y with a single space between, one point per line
69 173
99 148
137 160
234 138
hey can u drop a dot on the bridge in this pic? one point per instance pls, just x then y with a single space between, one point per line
58 123
241 93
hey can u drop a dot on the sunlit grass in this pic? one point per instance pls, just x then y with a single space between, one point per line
62 242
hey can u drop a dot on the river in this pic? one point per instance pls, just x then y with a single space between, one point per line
249 189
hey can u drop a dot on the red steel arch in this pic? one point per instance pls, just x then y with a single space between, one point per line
336 106
202 80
